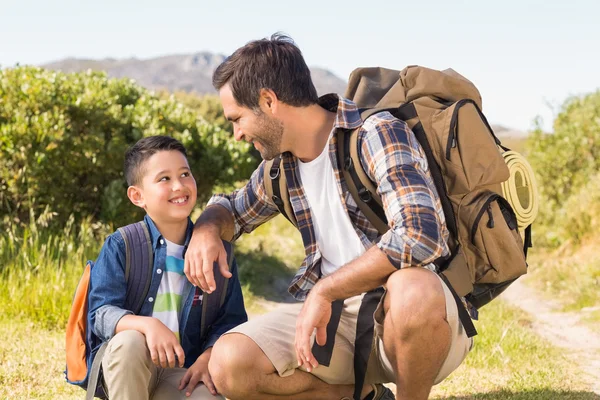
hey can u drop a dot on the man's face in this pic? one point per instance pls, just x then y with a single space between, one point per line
253 126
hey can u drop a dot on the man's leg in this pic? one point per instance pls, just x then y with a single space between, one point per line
241 368
417 336
127 367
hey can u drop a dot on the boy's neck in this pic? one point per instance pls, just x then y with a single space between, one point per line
173 231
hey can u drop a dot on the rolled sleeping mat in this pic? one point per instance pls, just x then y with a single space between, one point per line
521 189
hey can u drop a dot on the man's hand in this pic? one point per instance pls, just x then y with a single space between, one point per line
197 373
163 344
315 314
204 250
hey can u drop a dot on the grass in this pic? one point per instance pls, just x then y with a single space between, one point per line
510 361
39 270
570 275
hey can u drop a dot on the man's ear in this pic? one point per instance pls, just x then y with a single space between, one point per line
268 101
136 196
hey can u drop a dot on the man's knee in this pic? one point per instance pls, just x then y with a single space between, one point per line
415 300
235 357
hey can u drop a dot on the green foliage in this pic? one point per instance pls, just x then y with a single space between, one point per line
208 106
63 139
39 268
580 215
565 160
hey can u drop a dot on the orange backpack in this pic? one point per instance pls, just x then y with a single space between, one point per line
83 361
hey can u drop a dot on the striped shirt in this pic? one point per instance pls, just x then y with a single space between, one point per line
394 160
167 305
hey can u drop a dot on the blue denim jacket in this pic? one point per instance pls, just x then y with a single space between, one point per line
108 291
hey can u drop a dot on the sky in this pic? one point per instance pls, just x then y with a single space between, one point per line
525 56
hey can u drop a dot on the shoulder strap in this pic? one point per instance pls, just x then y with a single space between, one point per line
212 303
139 262
276 188
361 188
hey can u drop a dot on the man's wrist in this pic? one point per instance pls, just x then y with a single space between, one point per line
323 289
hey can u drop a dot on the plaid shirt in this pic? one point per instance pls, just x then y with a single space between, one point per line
391 157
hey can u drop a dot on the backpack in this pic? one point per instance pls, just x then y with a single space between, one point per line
473 174
84 362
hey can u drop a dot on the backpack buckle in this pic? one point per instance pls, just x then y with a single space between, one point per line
348 163
365 195
274 173
278 202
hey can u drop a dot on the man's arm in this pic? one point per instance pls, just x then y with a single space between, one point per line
417 234
226 217
216 220
364 273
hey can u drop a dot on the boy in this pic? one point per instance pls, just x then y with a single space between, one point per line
159 352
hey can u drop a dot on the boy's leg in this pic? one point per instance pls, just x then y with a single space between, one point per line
257 360
127 367
167 387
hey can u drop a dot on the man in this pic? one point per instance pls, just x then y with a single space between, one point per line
267 93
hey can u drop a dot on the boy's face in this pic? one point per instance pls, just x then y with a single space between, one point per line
168 190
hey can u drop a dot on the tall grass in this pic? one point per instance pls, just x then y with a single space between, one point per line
39 268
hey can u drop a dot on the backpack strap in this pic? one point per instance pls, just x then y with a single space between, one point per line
139 263
360 186
94 377
212 302
276 188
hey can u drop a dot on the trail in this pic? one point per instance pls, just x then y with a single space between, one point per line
562 329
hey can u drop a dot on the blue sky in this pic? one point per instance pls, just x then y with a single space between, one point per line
526 57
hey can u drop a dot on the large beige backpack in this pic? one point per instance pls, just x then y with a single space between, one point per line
468 166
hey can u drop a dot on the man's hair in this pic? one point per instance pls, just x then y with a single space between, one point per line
136 155
276 64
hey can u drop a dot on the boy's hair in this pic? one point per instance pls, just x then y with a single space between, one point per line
275 64
136 155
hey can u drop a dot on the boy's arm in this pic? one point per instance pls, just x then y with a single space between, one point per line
165 349
232 313
108 289
226 217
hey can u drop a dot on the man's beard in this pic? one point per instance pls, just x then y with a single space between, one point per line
271 133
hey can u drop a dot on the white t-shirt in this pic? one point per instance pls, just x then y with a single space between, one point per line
168 298
337 240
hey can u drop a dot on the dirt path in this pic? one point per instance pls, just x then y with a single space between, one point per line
562 329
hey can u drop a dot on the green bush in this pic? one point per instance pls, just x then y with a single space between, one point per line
63 138
565 160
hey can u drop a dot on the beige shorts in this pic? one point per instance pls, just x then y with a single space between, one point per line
275 333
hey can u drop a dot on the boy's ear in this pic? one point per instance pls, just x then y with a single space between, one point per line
136 196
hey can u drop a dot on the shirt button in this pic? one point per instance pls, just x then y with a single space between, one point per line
151 299
159 271
162 241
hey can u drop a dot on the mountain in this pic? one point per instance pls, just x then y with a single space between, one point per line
503 132
184 72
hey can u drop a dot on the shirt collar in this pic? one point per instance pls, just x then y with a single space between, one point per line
347 114
156 236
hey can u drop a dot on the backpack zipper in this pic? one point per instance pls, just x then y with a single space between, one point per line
487 207
453 136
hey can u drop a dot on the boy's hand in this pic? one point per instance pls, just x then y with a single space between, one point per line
204 250
163 345
198 372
